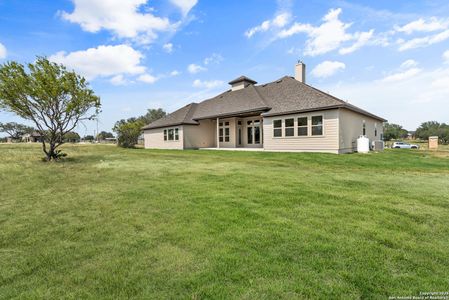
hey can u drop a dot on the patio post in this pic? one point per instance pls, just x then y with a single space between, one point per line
218 133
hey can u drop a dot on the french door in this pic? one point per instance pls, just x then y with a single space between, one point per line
254 132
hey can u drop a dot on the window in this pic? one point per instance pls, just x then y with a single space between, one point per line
171 134
317 125
250 135
289 127
223 132
302 126
277 128
364 128
375 129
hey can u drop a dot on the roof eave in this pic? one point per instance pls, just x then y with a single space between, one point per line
268 114
233 114
168 125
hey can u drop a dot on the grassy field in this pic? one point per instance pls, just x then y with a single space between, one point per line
115 223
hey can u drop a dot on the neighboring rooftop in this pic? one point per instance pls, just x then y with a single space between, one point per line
279 97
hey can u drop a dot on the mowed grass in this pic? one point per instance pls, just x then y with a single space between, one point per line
146 224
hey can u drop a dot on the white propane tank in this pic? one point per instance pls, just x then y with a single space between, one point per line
363 144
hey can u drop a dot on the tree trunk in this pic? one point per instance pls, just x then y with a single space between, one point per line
51 152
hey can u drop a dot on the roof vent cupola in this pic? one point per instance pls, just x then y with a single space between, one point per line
241 83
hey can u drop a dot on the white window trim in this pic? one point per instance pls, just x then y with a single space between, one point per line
281 128
322 126
224 126
289 127
302 126
174 135
295 123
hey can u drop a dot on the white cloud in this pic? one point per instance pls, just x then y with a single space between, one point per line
330 35
3 51
279 21
362 38
294 51
103 61
327 68
215 58
423 41
118 80
147 78
184 5
407 70
175 73
409 73
207 84
193 68
409 63
406 102
446 56
124 19
421 25
168 47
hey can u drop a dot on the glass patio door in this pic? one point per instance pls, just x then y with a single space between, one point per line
254 132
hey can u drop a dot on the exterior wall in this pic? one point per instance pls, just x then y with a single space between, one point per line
328 142
200 136
154 139
351 127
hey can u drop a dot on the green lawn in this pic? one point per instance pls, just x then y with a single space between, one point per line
115 223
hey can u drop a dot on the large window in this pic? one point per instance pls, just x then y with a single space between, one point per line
277 128
302 126
289 127
171 134
224 132
317 125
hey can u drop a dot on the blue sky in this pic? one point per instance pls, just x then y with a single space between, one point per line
389 57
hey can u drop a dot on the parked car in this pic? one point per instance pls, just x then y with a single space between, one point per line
402 145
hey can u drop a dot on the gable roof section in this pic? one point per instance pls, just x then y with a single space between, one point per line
280 97
178 117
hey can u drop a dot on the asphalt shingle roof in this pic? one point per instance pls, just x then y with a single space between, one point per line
279 97
178 117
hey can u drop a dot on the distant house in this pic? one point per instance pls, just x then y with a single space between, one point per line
34 137
283 115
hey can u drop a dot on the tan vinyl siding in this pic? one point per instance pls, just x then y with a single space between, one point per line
328 142
200 136
351 127
154 139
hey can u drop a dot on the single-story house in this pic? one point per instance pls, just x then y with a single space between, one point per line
34 137
283 115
